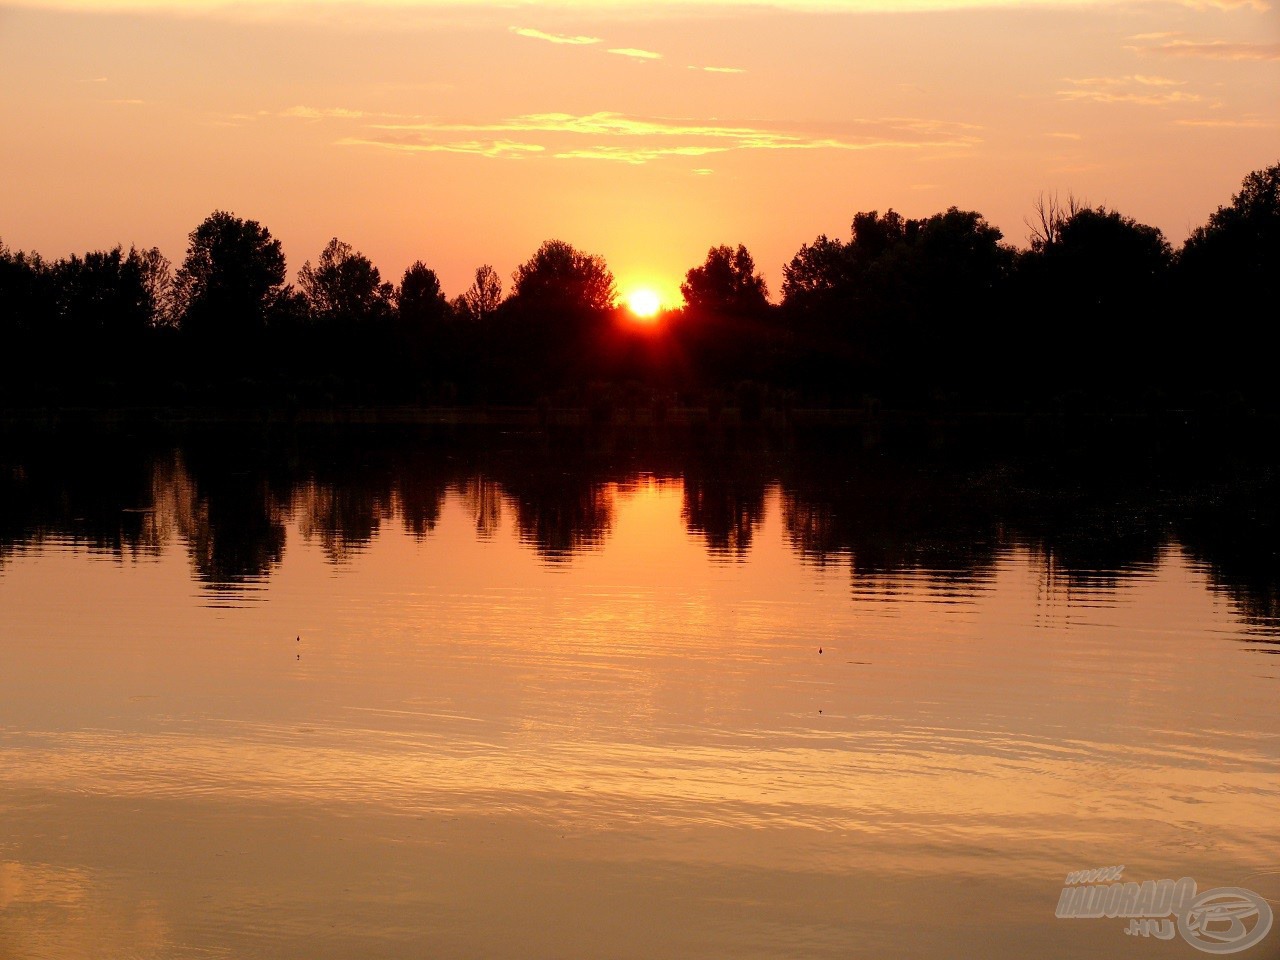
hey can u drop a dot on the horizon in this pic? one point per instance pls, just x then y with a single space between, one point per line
413 131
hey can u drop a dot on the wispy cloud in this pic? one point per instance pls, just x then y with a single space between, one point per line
508 149
1141 80
1135 89
636 54
313 114
635 155
1218 50
636 140
719 69
1260 6
554 37
322 113
1229 123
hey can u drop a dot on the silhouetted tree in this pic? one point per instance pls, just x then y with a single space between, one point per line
26 301
959 266
232 276
727 282
917 311
157 278
344 286
1240 245
874 235
1097 277
103 295
551 329
1047 219
421 334
817 275
1229 272
724 329
484 296
1111 249
91 318
420 300
559 276
883 312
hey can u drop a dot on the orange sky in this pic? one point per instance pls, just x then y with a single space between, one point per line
461 132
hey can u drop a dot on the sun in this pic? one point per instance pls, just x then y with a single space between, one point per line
644 303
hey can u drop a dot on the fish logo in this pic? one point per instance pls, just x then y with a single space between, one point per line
1217 921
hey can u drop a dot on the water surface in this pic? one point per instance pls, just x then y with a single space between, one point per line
512 697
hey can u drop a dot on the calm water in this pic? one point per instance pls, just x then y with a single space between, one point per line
503 697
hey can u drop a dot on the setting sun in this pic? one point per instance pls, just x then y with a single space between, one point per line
644 303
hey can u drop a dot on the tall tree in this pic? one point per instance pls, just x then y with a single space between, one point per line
420 301
484 296
232 276
818 272
723 329
103 295
1229 274
1238 250
1091 289
344 286
157 279
26 303
1099 259
560 276
550 334
726 283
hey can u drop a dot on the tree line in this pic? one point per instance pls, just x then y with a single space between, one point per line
938 313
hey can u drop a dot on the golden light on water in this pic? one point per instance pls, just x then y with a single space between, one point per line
636 687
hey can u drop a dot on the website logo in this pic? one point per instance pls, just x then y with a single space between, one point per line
1221 921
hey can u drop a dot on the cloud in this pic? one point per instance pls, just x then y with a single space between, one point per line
1141 99
636 155
313 115
1137 78
1218 50
1228 123
636 54
719 69
636 140
1136 89
322 113
508 149
554 37
1260 6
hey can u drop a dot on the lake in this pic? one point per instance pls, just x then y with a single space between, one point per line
356 692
